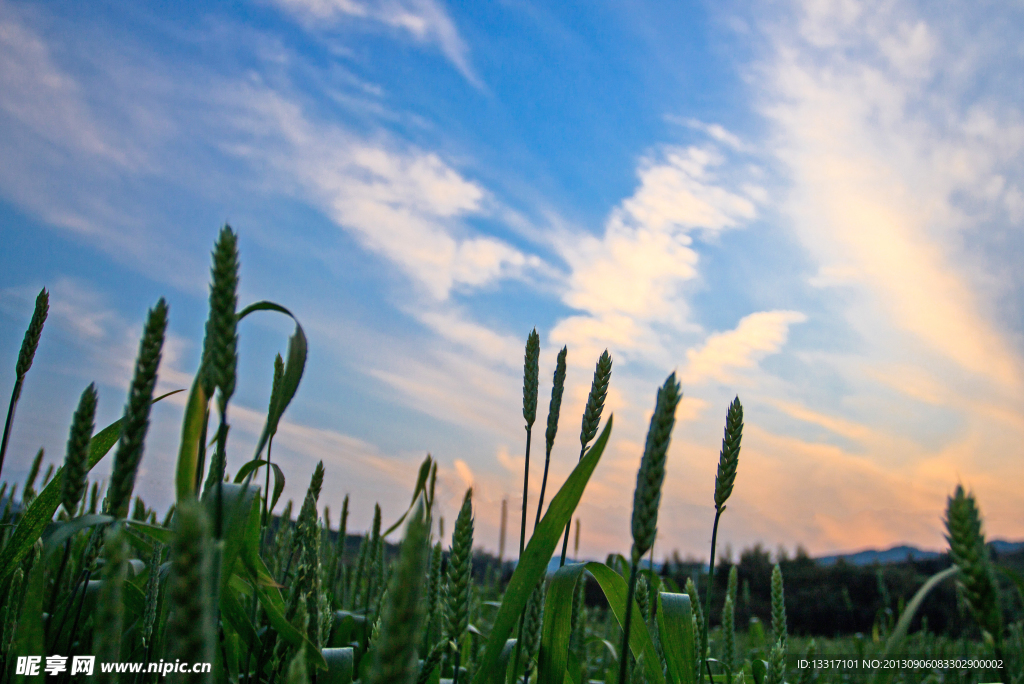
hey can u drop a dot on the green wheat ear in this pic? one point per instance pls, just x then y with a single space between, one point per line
557 389
136 413
219 347
190 635
730 455
651 475
76 461
531 377
395 653
25 356
595 401
30 342
33 474
460 566
976 578
778 609
777 664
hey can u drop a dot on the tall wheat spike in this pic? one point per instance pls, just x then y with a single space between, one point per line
76 460
779 633
460 566
976 577
592 419
531 383
647 496
29 344
557 389
725 478
135 423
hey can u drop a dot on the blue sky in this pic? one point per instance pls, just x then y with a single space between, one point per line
815 205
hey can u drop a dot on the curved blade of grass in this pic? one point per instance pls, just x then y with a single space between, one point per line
191 437
675 626
534 561
161 535
557 627
907 616
59 533
614 588
40 512
293 367
421 486
29 640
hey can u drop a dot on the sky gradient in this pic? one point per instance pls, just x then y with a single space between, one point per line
815 205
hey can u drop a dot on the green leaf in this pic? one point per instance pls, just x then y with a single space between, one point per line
59 533
293 367
640 643
278 485
191 437
42 508
496 675
552 660
675 625
249 467
233 611
29 639
534 561
907 616
421 486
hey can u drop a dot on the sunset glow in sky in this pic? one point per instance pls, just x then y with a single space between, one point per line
816 205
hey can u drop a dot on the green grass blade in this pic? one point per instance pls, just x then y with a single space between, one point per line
614 588
61 532
421 486
675 625
554 642
40 512
29 639
534 561
907 616
191 436
293 367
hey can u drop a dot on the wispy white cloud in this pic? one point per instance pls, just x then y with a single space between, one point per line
425 21
405 204
757 336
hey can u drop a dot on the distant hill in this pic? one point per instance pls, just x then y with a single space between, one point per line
900 554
